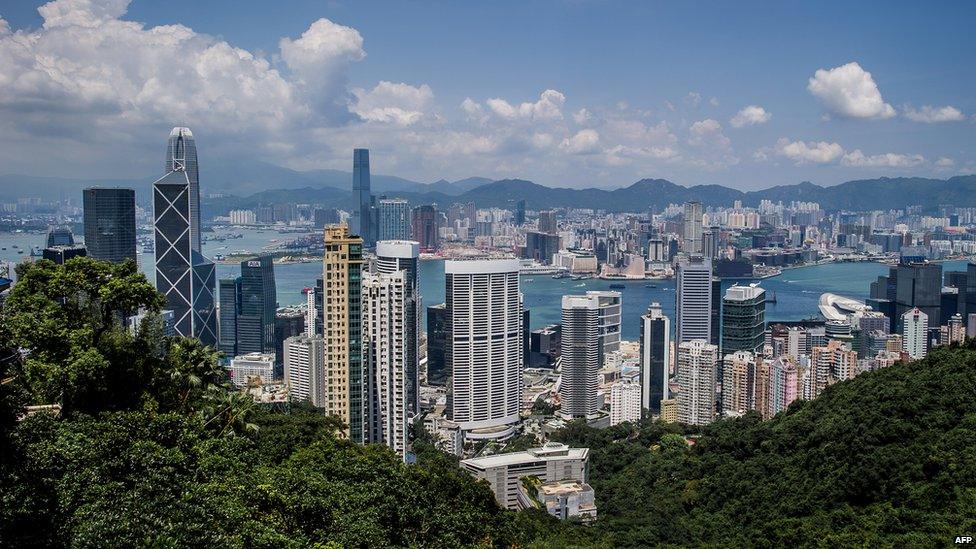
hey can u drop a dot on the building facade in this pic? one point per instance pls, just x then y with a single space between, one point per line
743 319
110 224
394 219
693 307
304 369
403 255
697 365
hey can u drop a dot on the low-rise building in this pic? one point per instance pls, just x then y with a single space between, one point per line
252 365
552 462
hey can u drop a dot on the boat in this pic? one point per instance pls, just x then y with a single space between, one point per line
617 287
650 285
561 274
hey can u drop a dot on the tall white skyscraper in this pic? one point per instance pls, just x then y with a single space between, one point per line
384 332
403 255
697 365
693 307
692 241
608 307
582 355
304 364
625 402
655 350
484 348
915 329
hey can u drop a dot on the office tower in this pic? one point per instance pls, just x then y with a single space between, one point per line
342 272
582 355
625 402
609 308
738 376
710 243
655 352
289 322
918 285
656 251
437 334
520 213
541 246
697 362
183 274
230 308
693 308
403 255
385 334
244 368
110 224
59 236
484 349
181 156
319 306
362 218
305 372
783 384
311 313
62 254
692 241
715 312
970 296
915 329
743 319
327 216
424 227
547 222
258 303
394 219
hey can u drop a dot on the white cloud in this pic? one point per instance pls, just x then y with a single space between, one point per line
802 152
548 107
582 116
693 99
849 91
81 13
751 115
713 102
930 114
400 103
857 159
542 140
945 162
584 142
708 132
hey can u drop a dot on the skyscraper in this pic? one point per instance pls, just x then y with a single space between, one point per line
181 155
230 307
693 308
738 378
582 355
547 222
258 302
697 361
783 378
743 319
424 227
625 402
485 345
915 329
362 219
918 285
402 255
655 352
110 224
183 274
342 272
304 369
437 335
692 241
385 332
710 243
394 219
520 213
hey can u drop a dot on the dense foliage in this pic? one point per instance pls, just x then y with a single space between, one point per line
152 448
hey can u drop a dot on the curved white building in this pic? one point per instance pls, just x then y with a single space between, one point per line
484 348
838 307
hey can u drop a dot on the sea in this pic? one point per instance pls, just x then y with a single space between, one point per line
797 291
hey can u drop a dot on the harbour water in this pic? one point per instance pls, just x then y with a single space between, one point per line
796 290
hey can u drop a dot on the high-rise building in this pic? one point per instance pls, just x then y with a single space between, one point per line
229 310
485 345
710 242
289 322
625 402
918 285
424 227
110 224
394 219
437 334
692 241
63 254
183 274
362 217
520 213
305 371
385 332
915 329
258 303
325 216
403 255
582 355
831 363
181 156
547 222
342 329
541 246
59 236
743 319
738 378
693 308
655 352
783 385
609 310
697 361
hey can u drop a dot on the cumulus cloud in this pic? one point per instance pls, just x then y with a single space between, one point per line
751 115
693 99
813 152
548 107
708 132
945 162
930 115
583 142
857 159
850 92
400 103
582 116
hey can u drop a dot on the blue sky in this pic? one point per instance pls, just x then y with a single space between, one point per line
571 93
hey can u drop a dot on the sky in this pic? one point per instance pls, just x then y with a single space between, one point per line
574 93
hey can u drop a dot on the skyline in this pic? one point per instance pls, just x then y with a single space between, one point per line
579 100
